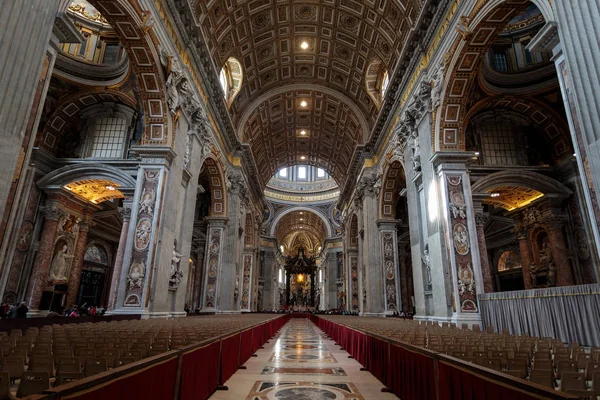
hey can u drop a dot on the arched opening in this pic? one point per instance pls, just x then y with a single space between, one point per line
377 81
231 79
210 202
394 206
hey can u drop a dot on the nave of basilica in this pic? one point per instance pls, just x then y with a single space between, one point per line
198 169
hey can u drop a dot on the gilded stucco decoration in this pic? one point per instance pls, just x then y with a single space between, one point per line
512 197
95 190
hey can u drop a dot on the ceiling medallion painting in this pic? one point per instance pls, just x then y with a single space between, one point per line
95 190
322 46
512 197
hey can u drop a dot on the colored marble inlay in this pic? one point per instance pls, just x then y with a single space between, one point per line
303 391
304 371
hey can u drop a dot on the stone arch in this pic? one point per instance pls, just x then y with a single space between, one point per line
218 188
520 178
134 28
394 179
78 172
68 108
318 213
549 121
468 51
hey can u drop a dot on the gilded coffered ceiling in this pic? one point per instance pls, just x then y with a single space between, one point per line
512 197
318 49
297 222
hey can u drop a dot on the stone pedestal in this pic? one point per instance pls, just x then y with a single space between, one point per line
41 267
77 265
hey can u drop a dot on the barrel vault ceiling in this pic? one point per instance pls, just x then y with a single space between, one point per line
342 39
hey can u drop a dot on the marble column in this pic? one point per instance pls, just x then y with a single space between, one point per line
232 248
118 266
144 280
354 297
331 287
246 281
573 39
389 262
523 237
214 252
77 265
373 268
198 273
41 267
25 30
461 239
564 272
404 305
486 269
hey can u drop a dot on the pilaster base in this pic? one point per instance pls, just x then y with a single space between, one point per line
469 319
232 312
127 311
432 318
178 314
365 314
37 313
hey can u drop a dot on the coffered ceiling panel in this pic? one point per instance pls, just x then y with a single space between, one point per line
301 221
324 133
324 43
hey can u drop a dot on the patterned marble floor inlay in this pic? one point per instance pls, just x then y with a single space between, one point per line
302 363
334 371
303 357
303 391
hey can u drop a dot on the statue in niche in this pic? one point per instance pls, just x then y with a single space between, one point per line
176 273
437 86
186 155
60 263
427 264
416 159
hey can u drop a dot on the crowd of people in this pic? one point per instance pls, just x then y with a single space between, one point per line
13 310
8 310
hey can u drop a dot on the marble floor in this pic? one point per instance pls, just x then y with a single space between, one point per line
300 363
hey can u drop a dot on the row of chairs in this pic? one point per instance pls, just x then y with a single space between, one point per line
547 361
56 354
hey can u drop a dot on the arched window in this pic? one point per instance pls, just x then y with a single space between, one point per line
231 77
377 81
385 82
96 254
509 260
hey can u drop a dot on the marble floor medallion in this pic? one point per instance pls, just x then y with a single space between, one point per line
304 391
303 357
333 371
